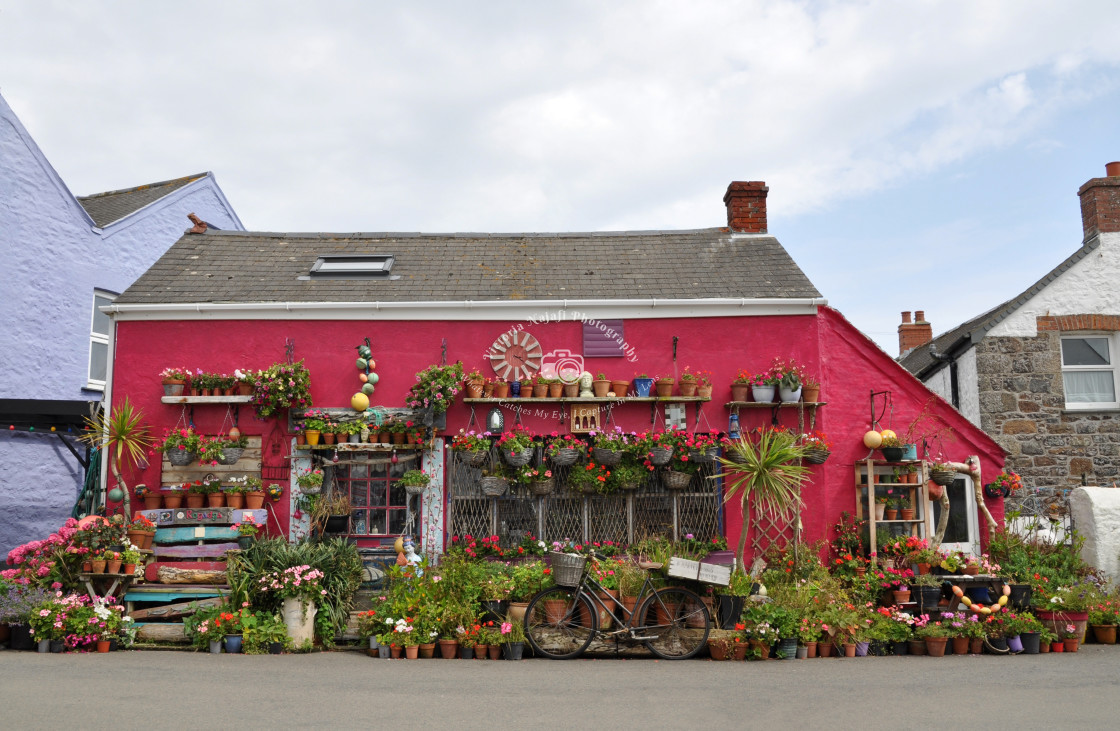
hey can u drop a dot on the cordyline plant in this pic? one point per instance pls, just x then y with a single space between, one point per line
122 434
767 472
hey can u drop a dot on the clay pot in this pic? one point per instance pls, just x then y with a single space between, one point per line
195 500
811 394
171 501
448 649
328 437
664 388
152 501
555 390
908 513
688 388
254 500
412 652
1105 634
739 391
540 390
600 388
935 646
620 388
501 390
235 500
427 650
215 500
960 645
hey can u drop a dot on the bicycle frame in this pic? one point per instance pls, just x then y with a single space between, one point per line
590 588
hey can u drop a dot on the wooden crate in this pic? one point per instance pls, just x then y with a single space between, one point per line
682 568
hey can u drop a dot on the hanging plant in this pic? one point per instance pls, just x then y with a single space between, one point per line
281 386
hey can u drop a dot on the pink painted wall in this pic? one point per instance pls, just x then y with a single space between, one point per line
848 364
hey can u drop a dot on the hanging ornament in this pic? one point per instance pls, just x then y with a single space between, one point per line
234 433
116 495
359 401
393 457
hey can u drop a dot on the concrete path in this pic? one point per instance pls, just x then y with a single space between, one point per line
177 690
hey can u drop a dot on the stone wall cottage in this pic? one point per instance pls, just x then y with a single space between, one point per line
1039 372
718 299
62 257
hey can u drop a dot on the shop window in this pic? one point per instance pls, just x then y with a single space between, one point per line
377 501
1088 373
99 341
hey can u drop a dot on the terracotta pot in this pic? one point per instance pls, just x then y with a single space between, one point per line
891 514
215 500
412 652
739 391
488 390
555 390
1058 646
501 390
99 567
481 652
810 649
849 649
935 646
474 389
136 537
1043 647
395 651
1072 644
664 388
195 500
235 500
152 501
811 394
960 645
254 500
301 439
861 571
328 437
975 645
739 651
571 390
540 390
600 388
762 647
620 388
971 570
398 437
103 645
916 647
608 596
704 391
1105 633
113 566
448 649
824 649
908 513
427 650
87 567
901 597
495 652
717 650
688 388
923 568
129 568
172 501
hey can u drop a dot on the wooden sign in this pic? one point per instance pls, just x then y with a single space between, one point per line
682 568
585 419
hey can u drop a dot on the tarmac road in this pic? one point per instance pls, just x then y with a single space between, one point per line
178 690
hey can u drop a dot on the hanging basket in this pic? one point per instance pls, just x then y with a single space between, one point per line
494 486
180 457
518 459
605 456
660 455
695 455
565 457
230 455
677 480
816 456
474 459
415 489
542 487
942 477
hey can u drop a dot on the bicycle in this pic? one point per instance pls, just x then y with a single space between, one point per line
561 622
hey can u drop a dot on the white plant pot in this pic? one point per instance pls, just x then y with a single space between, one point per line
299 618
789 396
763 394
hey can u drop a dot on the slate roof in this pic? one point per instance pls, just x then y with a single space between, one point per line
244 267
920 360
105 208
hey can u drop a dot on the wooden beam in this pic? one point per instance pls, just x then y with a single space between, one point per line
169 611
160 632
202 572
208 550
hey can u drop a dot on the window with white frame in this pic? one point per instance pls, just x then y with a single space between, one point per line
1088 371
99 340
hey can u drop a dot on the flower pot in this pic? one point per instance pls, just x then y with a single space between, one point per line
427 650
481 652
571 390
172 500
642 387
739 391
136 537
448 649
890 514
501 390
275 648
233 644
824 648
1020 597
816 456
1105 634
254 500
235 500
811 394
1030 642
180 457
908 513
1015 644
540 390
861 649
1058 646
688 388
810 650
1043 648
474 389
916 647
488 390
518 459
928 598
891 454
103 645
513 650
98 566
620 388
495 652
664 389
395 651
466 653
299 619
230 455
996 645
494 611
215 647
43 646
849 649
763 394
880 511
901 597
935 646
730 607
113 566
1056 622
152 501
660 455
1072 644
789 396
787 648
173 387
87 567
195 500
900 648
215 500
717 650
923 568
975 645
960 645
129 569
245 542
412 652
761 647
328 437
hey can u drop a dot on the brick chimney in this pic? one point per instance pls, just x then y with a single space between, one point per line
1100 202
913 334
746 206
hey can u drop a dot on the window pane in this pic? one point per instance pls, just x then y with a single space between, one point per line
396 521
1089 386
100 319
359 493
377 494
377 522
359 521
957 527
397 495
1085 352
98 361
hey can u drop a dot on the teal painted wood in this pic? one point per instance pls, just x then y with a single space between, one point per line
171 596
209 550
191 534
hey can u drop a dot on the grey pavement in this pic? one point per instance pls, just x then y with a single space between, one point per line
347 689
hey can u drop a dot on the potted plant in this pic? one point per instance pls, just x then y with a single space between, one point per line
741 385
601 385
235 492
435 390
512 633
129 558
664 385
609 446
474 383
281 386
275 491
414 481
627 475
247 530
151 498
254 493
767 475
810 389
589 478
174 380
173 496
516 446
121 434
764 386
331 514
314 422
642 384
689 382
311 482
1005 484
472 447
817 447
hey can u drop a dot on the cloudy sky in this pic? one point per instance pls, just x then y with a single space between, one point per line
920 155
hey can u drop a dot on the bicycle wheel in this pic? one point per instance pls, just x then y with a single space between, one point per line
559 624
678 621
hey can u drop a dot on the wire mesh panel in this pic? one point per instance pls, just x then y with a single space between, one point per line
653 515
563 517
608 518
517 515
698 506
470 516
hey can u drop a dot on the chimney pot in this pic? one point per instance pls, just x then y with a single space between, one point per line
1112 169
913 334
919 315
905 317
746 206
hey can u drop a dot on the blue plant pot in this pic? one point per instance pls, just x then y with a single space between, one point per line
909 451
979 594
642 386
233 644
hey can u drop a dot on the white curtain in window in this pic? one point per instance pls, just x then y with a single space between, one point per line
1089 387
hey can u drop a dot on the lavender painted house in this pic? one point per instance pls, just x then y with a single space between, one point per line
62 257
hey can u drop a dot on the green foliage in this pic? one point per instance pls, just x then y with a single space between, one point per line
1022 557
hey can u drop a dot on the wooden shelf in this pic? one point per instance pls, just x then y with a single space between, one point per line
206 399
772 404
348 447
867 471
590 400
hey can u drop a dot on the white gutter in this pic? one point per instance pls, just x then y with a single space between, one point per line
542 310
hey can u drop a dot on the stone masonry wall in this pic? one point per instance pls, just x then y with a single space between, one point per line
1022 406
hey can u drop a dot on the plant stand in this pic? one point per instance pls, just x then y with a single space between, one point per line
872 475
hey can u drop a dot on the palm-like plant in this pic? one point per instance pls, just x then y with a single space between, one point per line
121 433
769 472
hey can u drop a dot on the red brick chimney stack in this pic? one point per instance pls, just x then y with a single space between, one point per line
913 334
1100 202
746 206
